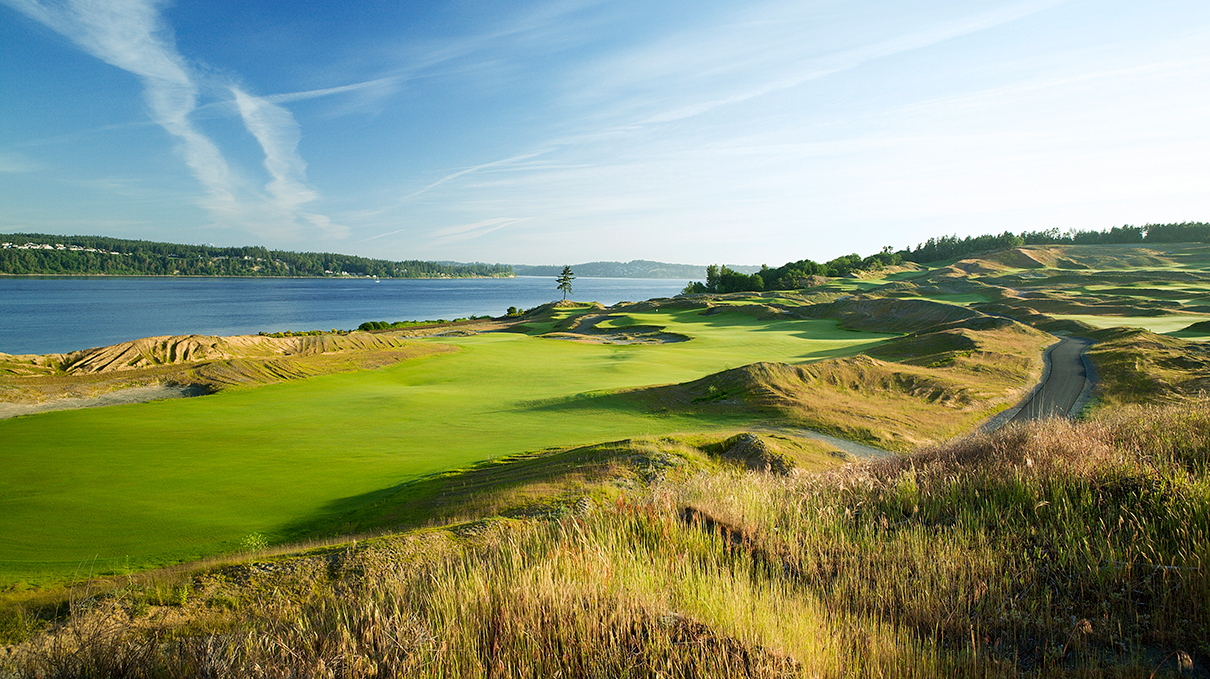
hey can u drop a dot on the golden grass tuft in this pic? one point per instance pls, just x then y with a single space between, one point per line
1138 366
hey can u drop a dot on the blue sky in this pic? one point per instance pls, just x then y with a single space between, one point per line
565 131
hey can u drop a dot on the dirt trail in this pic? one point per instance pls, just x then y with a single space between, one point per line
1065 380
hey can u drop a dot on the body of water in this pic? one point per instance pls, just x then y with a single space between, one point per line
57 315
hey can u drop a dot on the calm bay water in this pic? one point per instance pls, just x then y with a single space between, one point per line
57 315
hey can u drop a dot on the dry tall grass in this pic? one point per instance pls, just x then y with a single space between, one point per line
1053 549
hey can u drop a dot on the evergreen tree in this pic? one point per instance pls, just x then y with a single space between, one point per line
564 280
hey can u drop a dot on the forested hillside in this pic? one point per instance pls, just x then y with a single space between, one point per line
793 275
32 253
949 247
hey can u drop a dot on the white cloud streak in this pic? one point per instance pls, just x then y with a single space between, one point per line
379 87
131 35
715 66
469 170
381 235
470 231
278 135
716 126
747 46
13 163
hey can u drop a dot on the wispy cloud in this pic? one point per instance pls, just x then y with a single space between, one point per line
470 231
699 129
71 137
379 86
469 170
278 135
381 235
1183 70
730 60
131 35
748 46
14 163
460 232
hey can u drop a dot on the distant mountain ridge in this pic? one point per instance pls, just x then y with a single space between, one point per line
635 268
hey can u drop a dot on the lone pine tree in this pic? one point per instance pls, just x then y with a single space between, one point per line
564 280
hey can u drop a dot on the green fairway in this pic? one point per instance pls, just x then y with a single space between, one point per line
956 299
139 485
1166 290
1156 324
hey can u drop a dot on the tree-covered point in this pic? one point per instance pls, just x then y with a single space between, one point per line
32 253
793 275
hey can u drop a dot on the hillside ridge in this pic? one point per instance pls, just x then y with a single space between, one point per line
24 254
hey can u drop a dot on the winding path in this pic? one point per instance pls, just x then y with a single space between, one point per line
1065 386
1064 380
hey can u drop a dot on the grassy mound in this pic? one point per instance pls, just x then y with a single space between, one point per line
889 314
1054 303
1036 319
1137 366
1083 257
1046 550
915 389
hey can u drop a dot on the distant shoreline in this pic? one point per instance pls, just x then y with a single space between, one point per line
54 314
322 278
310 278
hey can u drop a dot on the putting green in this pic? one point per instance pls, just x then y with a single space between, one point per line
139 485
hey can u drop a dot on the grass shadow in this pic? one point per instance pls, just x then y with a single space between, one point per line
545 482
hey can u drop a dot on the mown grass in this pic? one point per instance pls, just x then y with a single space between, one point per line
720 338
958 299
1051 549
1156 324
143 485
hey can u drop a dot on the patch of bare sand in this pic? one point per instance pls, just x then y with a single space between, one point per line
144 394
620 338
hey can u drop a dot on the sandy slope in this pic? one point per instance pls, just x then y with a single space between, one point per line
155 368
120 397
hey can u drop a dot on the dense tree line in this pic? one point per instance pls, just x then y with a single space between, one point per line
789 276
389 325
120 257
950 247
793 275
